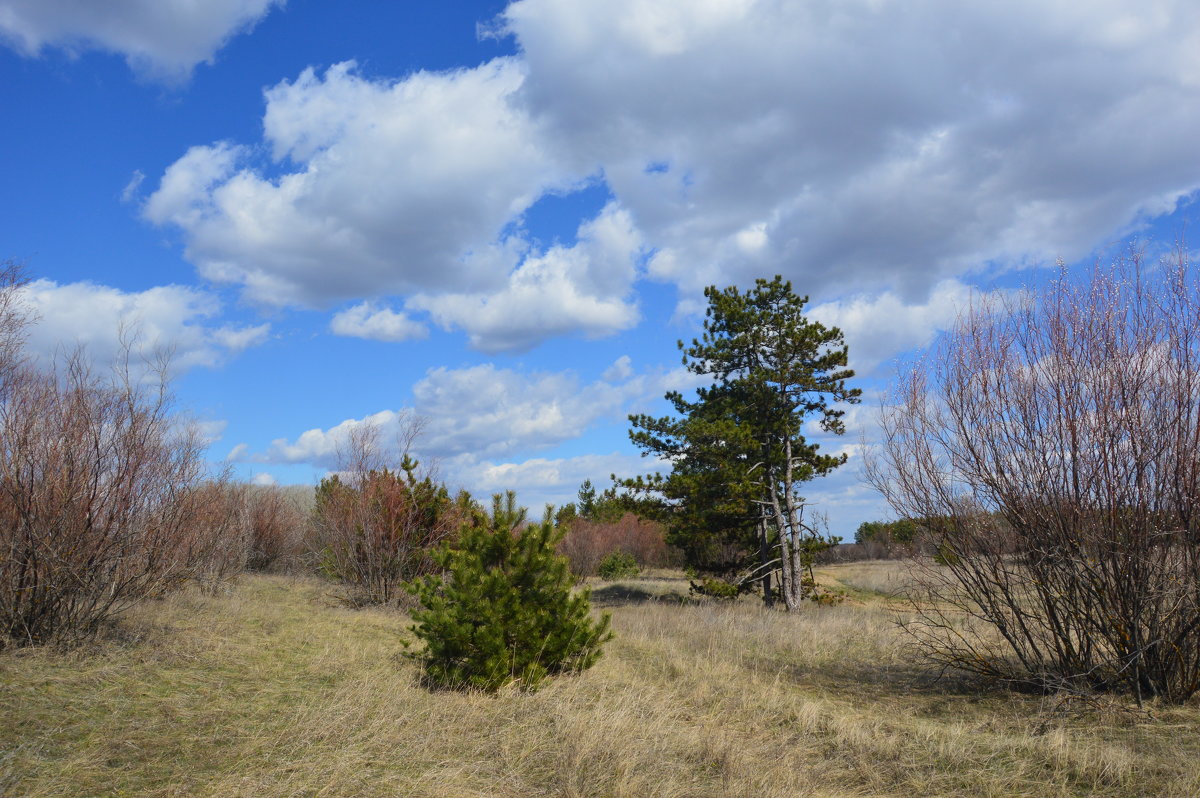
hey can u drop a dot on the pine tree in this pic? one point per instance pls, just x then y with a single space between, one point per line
504 612
587 499
737 452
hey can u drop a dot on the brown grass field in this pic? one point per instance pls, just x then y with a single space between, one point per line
272 691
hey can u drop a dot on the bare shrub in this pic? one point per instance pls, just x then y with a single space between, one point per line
215 533
1052 446
588 542
275 529
374 527
104 496
100 491
14 318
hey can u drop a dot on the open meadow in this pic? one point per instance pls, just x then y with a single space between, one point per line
270 689
598 398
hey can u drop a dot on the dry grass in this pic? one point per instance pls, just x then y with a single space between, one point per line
870 579
271 691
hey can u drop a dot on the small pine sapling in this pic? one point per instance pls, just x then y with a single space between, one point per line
618 565
503 611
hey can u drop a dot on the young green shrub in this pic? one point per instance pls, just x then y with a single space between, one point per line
503 611
618 565
713 587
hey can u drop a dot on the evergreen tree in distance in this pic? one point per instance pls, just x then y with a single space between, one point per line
504 612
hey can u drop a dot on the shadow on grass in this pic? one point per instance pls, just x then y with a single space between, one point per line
916 678
623 595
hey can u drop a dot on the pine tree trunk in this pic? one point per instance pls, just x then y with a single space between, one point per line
764 559
791 567
789 587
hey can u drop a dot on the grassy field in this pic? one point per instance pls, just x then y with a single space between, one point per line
271 690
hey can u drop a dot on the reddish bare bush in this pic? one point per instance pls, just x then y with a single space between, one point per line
374 528
214 532
1051 446
100 489
588 542
275 529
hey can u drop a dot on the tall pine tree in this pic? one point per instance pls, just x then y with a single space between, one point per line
737 452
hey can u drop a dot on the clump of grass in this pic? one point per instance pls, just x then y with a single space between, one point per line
270 691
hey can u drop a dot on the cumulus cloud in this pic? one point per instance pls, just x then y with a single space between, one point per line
883 326
182 193
854 145
210 430
162 38
323 447
235 339
387 187
583 287
168 318
364 320
484 413
481 411
412 188
491 412
621 369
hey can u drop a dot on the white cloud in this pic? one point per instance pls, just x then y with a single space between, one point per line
621 369
404 188
566 289
489 412
163 38
389 187
182 193
211 430
165 318
131 188
322 447
855 146
262 478
364 320
482 413
859 144
235 339
881 327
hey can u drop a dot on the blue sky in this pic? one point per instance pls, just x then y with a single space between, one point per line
500 217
